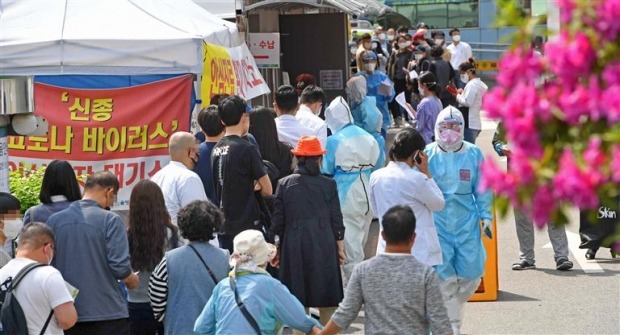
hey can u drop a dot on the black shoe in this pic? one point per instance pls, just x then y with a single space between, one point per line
591 253
523 265
563 264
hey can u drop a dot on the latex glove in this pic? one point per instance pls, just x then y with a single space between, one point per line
486 228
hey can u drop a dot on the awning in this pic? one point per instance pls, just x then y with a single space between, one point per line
352 7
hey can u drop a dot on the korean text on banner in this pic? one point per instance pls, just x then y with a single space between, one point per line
250 82
122 130
218 75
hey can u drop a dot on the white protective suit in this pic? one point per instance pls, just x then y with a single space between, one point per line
455 166
352 154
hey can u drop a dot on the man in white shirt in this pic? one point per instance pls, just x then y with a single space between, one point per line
312 99
42 290
290 130
179 184
459 52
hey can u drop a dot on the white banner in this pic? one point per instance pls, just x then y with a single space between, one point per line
250 82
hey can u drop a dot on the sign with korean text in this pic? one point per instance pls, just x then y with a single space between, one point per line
121 130
331 79
265 48
230 71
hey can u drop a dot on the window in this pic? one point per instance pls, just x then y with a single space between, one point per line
439 13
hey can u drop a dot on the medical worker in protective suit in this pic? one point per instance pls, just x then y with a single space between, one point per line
352 154
365 113
379 86
455 166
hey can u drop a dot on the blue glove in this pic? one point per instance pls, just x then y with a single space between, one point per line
486 228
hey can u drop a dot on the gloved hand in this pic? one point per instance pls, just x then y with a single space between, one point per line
486 228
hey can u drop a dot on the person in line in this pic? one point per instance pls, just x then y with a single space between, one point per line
379 86
470 99
302 81
406 180
455 165
43 289
364 45
238 171
150 233
421 61
10 225
312 98
525 225
445 76
352 154
290 129
400 294
183 281
268 302
177 180
211 125
397 72
308 220
59 188
92 254
459 52
429 107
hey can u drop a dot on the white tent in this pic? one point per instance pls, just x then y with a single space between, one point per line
107 37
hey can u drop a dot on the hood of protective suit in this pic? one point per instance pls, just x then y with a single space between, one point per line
338 114
479 85
356 89
450 113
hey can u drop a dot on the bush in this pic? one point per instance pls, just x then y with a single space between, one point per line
27 186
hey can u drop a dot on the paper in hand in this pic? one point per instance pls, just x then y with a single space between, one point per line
73 291
413 75
385 88
403 102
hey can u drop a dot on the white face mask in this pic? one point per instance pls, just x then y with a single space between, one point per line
404 45
382 36
439 41
370 67
12 228
390 37
353 50
418 56
456 38
464 78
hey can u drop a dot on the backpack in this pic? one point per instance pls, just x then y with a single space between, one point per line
11 313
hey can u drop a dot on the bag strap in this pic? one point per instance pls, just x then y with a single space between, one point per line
204 263
23 272
47 322
244 311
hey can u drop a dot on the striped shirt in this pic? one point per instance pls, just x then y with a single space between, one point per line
158 289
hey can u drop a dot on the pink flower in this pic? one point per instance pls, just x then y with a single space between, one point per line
493 102
610 103
611 73
566 10
574 185
593 155
519 65
496 179
615 163
543 204
570 58
607 23
521 166
581 101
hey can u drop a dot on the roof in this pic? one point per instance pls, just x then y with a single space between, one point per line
351 7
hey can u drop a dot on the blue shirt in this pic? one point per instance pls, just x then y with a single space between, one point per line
428 110
203 169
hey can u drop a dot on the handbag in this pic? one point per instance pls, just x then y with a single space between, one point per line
244 311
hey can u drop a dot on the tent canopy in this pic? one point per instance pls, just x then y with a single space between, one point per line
107 37
352 7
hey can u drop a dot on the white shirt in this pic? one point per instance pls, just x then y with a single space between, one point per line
459 53
472 98
180 186
398 184
306 117
40 291
290 130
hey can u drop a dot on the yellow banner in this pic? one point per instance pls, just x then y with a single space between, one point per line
218 75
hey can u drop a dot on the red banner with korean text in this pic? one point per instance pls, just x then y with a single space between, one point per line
121 130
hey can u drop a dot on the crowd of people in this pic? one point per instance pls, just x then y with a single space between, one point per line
266 214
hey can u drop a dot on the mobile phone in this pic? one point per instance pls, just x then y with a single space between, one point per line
417 157
451 89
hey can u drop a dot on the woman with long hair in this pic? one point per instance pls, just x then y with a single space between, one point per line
58 189
470 99
150 234
429 107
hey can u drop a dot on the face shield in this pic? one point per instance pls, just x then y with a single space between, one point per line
449 129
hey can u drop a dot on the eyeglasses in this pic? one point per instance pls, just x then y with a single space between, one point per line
450 125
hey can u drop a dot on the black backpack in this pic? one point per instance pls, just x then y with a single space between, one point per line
11 313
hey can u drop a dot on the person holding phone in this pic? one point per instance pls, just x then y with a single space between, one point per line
407 181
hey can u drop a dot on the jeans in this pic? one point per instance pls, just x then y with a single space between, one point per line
525 234
471 135
107 327
142 321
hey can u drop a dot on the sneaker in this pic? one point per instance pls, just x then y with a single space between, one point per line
523 265
563 264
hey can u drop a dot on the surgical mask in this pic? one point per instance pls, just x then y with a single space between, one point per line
404 45
439 41
449 136
418 56
456 38
12 228
464 78
353 50
390 37
382 36
49 261
370 67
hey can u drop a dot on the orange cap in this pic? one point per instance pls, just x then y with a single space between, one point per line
308 146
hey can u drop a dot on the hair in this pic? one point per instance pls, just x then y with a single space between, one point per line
200 220
366 36
398 224
401 36
102 179
59 179
421 25
231 109
286 98
310 164
218 98
469 65
429 79
148 225
454 30
435 33
406 142
436 51
263 128
8 202
312 94
402 29
304 80
34 235
210 121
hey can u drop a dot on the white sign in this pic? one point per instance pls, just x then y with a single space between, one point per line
250 82
331 80
265 48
